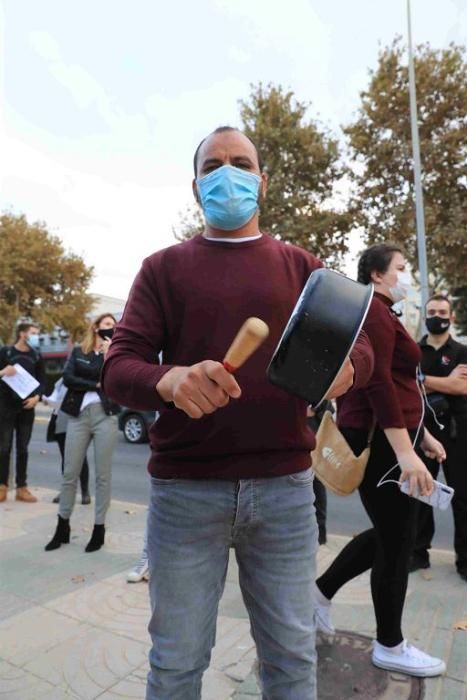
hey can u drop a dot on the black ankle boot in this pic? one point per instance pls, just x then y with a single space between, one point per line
97 539
85 498
61 536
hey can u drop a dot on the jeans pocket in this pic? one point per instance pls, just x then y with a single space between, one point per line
302 478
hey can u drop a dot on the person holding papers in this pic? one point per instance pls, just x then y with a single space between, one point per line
22 375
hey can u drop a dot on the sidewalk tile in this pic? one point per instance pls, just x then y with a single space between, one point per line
32 632
89 663
17 684
122 609
457 664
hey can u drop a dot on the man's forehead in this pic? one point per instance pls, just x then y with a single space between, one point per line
435 305
233 142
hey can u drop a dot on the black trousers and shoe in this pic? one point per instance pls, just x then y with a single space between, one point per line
20 423
321 501
386 547
454 439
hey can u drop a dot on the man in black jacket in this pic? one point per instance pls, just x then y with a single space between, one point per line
444 368
16 414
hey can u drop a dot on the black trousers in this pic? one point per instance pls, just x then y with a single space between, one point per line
84 474
386 547
16 421
321 503
455 473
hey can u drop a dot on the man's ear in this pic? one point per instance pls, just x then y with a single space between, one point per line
195 191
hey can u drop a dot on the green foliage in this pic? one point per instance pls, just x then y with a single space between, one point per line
191 222
460 308
381 146
39 280
302 162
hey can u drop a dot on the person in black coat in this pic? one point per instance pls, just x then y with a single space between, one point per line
92 418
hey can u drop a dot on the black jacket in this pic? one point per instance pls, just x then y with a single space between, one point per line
32 362
440 363
81 374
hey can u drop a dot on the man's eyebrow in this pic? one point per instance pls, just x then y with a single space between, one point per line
236 159
211 161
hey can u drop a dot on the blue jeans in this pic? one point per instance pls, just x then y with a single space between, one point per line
271 524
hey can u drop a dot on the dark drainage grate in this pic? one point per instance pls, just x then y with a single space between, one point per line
345 672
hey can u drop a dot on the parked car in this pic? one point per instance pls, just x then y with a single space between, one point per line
135 424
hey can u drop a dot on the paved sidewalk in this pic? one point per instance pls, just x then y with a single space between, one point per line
71 627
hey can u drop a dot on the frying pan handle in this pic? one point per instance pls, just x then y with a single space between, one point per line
248 339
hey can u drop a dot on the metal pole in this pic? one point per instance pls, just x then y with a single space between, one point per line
419 213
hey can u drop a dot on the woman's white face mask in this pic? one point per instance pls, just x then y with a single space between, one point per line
402 286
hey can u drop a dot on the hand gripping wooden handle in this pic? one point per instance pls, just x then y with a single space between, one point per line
250 336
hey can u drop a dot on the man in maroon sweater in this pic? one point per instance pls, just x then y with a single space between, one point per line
230 456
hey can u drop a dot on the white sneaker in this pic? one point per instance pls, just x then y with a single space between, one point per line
323 614
407 659
139 572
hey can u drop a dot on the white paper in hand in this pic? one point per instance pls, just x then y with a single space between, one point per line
441 495
22 382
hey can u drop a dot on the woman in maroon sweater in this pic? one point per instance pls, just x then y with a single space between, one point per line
391 401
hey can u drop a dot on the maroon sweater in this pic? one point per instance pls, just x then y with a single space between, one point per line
391 395
188 301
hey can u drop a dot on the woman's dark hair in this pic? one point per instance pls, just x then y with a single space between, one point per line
376 258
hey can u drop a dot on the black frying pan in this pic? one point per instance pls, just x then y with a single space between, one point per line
319 335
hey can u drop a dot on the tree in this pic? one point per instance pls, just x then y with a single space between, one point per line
381 146
302 161
190 223
39 280
460 308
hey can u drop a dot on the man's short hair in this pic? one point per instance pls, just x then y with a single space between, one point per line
24 327
440 297
221 130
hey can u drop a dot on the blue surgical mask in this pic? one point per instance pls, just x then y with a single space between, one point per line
33 341
228 197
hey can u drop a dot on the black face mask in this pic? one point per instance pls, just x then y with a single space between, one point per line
105 333
437 325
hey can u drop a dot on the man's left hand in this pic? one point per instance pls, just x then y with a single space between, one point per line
31 402
343 381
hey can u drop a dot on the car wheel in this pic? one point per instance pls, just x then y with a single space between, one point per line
134 429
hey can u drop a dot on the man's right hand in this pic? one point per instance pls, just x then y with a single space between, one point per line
8 371
200 389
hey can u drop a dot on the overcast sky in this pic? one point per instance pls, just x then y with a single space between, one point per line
104 101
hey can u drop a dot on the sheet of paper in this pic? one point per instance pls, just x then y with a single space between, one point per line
22 382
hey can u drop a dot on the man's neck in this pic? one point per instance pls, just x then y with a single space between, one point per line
437 341
22 346
251 228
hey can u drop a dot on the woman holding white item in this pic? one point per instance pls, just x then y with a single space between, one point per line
56 432
392 401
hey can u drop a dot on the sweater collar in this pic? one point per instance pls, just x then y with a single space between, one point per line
386 300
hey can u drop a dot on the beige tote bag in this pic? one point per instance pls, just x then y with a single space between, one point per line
333 460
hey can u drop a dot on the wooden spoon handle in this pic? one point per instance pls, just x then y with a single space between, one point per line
248 339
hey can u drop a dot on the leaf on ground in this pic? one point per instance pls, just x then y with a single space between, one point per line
462 625
77 579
